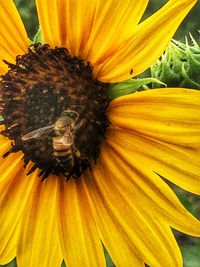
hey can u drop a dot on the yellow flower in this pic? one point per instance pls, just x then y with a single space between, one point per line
119 198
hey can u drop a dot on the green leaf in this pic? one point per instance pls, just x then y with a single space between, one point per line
130 86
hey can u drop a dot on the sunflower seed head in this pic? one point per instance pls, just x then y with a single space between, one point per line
34 93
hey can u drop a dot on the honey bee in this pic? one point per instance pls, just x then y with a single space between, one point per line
63 143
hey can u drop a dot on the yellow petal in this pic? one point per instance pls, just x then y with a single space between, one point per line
148 41
149 191
13 38
5 145
169 115
5 55
115 239
8 252
49 21
14 192
80 240
66 23
114 22
9 166
39 243
179 164
118 214
78 21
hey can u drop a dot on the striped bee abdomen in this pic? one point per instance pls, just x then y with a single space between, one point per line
65 158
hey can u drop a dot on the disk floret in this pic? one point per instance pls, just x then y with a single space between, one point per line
37 90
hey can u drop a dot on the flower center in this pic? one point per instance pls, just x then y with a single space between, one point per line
54 111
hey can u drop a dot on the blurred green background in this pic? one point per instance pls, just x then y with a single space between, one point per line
190 246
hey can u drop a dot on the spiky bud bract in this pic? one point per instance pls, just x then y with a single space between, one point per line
179 66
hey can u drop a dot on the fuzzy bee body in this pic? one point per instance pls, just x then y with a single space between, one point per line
63 143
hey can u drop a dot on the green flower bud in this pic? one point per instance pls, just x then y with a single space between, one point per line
179 66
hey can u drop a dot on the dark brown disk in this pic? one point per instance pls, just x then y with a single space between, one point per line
34 93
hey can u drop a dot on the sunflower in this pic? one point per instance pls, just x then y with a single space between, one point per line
78 170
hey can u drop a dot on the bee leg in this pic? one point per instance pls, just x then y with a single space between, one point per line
76 152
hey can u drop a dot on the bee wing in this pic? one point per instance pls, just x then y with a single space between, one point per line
38 132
